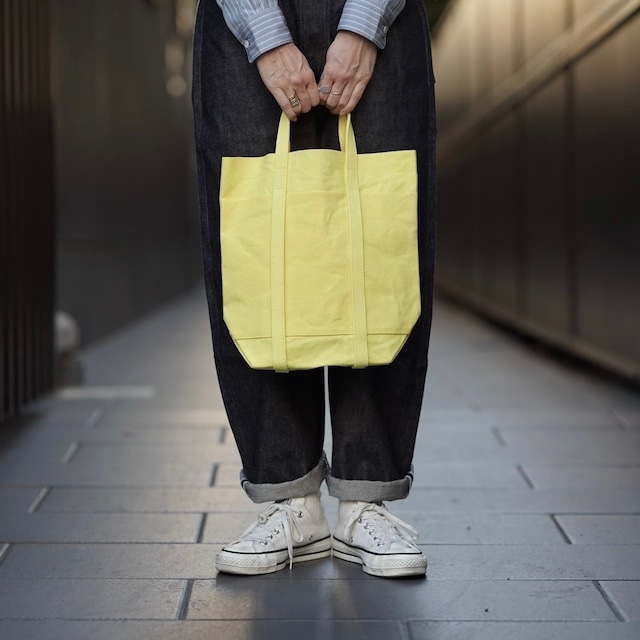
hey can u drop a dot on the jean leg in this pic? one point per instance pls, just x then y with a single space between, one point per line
277 420
375 411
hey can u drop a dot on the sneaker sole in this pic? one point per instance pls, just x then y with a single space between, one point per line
381 565
248 564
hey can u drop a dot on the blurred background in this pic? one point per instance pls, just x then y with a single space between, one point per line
539 148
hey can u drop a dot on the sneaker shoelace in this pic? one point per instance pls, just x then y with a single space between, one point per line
280 516
381 525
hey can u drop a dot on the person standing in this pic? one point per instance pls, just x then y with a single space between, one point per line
316 60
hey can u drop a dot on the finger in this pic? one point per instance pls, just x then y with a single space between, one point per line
324 88
323 93
305 100
295 102
302 83
296 107
342 100
285 104
352 101
334 97
312 88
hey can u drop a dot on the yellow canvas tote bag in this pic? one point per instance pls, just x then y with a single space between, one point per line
319 254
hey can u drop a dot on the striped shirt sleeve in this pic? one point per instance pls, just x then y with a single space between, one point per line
260 26
370 18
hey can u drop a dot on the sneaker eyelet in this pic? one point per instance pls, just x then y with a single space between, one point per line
351 539
275 532
360 521
264 543
380 544
310 537
300 514
366 525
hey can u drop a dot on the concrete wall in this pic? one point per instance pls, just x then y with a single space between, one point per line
539 156
126 205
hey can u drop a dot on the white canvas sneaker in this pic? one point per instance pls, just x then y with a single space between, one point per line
294 530
368 534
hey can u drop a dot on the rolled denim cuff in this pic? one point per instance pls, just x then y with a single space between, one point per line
308 483
370 490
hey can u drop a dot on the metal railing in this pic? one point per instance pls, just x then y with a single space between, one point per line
26 205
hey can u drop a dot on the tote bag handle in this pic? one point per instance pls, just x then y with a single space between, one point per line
356 241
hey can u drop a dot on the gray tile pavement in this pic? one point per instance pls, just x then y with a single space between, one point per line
145 500
574 476
626 595
207 630
537 418
540 562
602 529
108 561
122 434
17 499
129 416
529 631
424 500
27 598
429 600
114 471
448 562
582 500
629 418
92 454
99 527
526 496
445 529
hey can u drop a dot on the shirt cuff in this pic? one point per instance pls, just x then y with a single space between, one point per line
264 31
370 18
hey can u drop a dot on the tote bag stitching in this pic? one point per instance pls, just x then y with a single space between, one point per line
358 295
278 222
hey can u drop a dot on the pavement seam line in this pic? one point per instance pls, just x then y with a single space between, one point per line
403 627
223 435
565 534
613 605
183 609
497 434
35 505
70 453
621 422
521 470
3 551
95 417
214 473
201 526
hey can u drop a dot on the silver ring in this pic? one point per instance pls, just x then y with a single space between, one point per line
295 101
335 93
324 89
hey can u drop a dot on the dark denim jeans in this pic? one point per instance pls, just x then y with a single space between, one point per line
278 419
